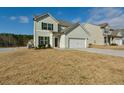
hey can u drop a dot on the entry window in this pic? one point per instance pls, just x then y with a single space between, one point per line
46 40
50 26
43 40
44 26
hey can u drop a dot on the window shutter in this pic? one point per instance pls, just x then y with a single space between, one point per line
42 25
52 26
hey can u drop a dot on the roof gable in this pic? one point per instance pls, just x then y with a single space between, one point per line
72 27
41 17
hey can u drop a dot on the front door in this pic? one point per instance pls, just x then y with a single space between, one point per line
56 42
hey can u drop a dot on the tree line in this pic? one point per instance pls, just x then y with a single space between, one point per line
14 40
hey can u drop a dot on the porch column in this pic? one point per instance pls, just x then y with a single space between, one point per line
107 43
111 41
53 41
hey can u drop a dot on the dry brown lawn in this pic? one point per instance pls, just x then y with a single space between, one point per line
50 66
108 47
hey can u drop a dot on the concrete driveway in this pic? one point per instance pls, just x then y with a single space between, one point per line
7 49
119 53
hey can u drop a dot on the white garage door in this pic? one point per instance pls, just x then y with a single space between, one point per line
76 43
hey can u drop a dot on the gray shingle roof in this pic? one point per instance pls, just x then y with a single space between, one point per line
103 25
41 16
70 28
115 32
65 23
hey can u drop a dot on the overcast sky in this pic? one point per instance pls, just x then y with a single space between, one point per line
20 20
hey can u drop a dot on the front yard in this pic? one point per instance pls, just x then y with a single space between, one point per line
50 66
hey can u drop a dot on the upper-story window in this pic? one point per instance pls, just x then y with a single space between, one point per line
50 26
46 26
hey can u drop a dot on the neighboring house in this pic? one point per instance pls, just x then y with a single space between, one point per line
103 34
112 36
95 34
107 30
118 36
61 34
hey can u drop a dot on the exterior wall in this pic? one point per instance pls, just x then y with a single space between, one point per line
96 34
39 32
76 33
62 41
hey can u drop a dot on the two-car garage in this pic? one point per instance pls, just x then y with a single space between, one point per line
77 43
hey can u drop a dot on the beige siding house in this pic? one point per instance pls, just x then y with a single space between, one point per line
95 34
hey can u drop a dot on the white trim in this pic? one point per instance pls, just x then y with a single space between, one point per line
34 34
85 42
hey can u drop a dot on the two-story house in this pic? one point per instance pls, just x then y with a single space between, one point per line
58 33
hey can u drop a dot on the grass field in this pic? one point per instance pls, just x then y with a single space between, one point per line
50 66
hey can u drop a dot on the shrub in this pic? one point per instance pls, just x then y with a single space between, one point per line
49 46
36 48
90 45
41 46
114 44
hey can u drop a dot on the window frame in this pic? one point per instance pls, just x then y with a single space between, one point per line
45 40
47 26
44 26
50 26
